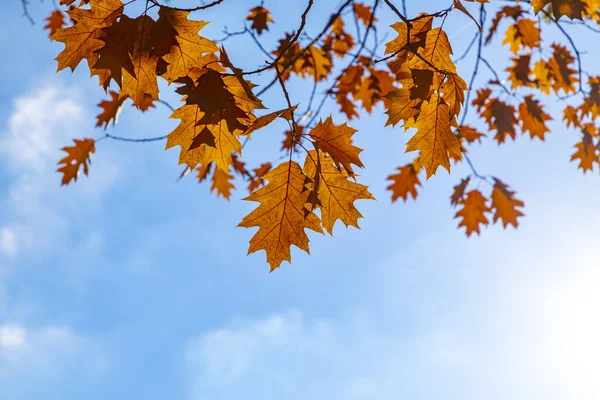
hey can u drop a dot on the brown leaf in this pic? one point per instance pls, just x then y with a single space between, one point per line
260 17
55 21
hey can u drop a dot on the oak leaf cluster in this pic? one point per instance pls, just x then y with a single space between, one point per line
413 77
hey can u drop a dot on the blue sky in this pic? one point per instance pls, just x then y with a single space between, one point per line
129 284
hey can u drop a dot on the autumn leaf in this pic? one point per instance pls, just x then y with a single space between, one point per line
260 17
363 13
191 51
586 153
221 182
572 9
470 134
434 140
533 117
55 21
404 183
336 141
111 110
473 212
82 40
337 191
77 156
280 215
459 191
505 205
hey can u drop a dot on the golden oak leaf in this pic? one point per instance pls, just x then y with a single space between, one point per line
523 33
226 141
55 22
504 204
473 212
346 106
111 110
514 12
338 40
363 13
221 182
191 49
266 119
453 90
404 182
82 40
77 156
402 107
434 139
280 216
316 63
572 9
203 171
571 117
533 118
459 191
435 54
470 134
260 17
586 153
413 41
336 191
336 140
365 93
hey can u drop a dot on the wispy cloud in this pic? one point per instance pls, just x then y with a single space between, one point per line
37 208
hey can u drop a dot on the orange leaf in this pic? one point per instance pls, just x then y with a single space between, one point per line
405 182
55 22
504 204
222 183
473 212
112 108
336 140
336 192
280 216
77 155
434 139
572 9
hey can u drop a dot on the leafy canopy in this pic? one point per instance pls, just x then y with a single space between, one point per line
413 77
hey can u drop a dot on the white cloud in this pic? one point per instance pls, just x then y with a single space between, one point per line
38 208
521 324
12 336
45 355
7 241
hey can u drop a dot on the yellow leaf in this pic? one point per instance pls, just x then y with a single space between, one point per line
280 215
